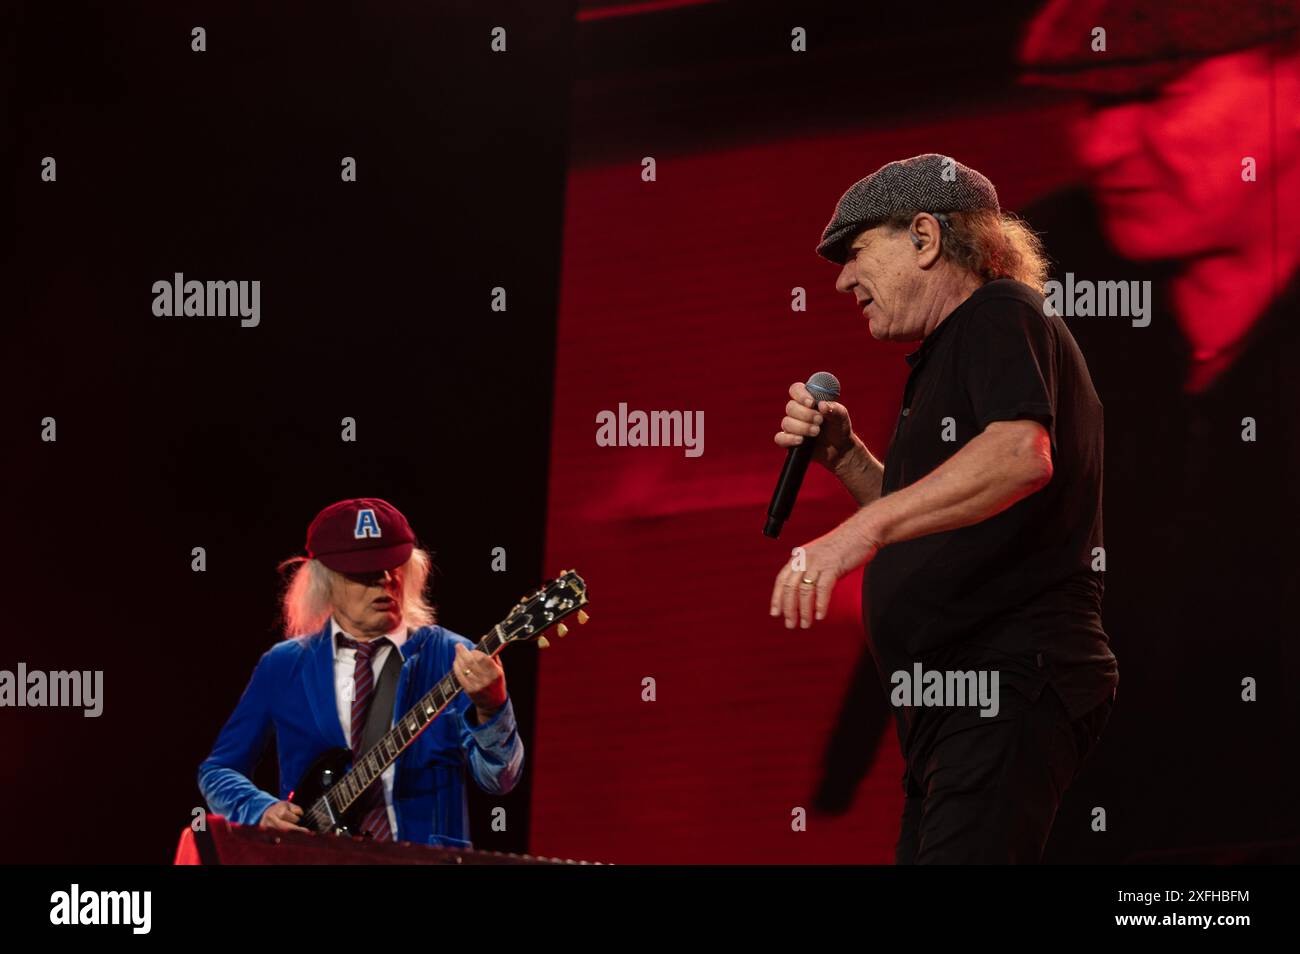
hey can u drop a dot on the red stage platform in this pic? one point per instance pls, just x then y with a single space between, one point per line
224 843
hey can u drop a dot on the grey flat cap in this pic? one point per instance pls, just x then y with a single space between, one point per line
928 183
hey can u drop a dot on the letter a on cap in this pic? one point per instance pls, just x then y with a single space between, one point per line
367 525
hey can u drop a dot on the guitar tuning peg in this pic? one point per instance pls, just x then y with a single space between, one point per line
582 617
562 630
541 642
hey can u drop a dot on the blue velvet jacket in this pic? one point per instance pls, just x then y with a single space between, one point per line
291 693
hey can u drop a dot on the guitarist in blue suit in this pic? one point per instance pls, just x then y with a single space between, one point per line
352 602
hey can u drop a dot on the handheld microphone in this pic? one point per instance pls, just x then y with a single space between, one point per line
823 386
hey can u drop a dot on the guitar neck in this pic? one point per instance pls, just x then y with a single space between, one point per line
385 752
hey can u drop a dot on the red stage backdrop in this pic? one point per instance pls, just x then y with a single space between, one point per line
676 295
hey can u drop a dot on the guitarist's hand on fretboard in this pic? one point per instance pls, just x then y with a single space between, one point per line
483 680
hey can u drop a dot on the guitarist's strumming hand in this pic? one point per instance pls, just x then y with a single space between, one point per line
282 816
483 680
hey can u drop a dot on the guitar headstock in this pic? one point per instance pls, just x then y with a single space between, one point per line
545 607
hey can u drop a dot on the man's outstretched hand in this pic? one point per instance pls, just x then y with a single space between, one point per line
802 595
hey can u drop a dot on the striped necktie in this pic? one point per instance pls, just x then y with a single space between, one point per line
373 807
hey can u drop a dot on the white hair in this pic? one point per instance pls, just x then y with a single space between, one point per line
306 603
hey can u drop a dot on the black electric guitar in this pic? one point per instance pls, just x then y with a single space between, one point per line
330 789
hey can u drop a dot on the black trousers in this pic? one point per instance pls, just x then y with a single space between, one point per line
986 790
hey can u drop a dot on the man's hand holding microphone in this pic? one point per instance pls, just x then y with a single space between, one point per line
803 594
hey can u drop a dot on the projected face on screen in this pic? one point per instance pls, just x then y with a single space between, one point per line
1180 172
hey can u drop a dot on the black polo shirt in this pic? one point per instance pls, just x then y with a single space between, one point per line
1016 592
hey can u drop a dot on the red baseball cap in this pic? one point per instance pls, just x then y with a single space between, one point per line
361 535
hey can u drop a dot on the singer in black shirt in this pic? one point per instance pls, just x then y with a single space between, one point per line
1017 592
981 531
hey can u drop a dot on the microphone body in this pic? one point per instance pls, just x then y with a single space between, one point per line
787 487
823 386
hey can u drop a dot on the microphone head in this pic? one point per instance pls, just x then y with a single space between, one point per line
824 386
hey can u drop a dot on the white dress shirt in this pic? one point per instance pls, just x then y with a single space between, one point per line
345 663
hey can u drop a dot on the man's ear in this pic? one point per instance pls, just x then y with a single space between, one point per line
926 237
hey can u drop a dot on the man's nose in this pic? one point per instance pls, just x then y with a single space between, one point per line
846 279
1107 135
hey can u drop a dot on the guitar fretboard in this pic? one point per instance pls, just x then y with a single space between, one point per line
385 752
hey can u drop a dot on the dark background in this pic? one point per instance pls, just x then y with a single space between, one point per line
198 432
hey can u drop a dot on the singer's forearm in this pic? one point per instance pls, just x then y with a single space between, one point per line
860 473
1004 464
